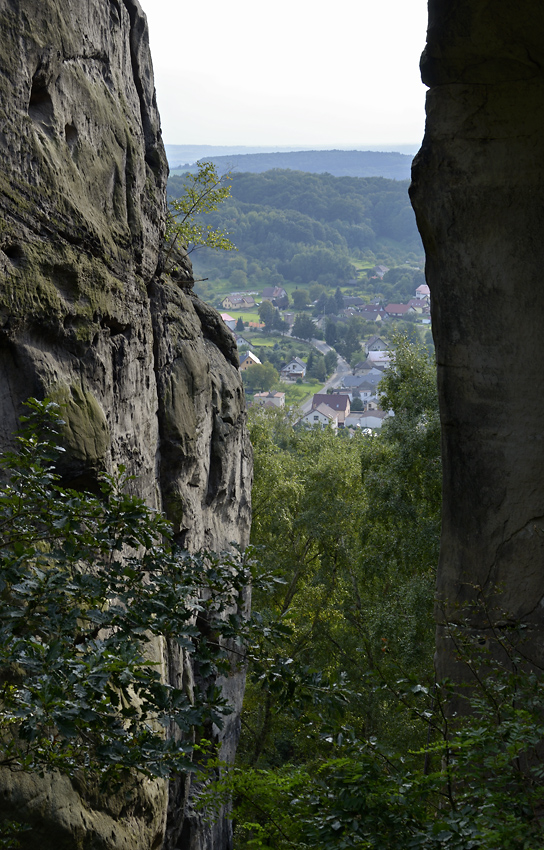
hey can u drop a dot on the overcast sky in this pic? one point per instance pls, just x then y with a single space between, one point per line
291 72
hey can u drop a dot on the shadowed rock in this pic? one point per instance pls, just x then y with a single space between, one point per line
477 192
147 374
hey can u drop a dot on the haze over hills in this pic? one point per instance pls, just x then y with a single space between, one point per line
353 163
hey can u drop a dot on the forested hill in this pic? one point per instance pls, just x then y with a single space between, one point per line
393 165
291 227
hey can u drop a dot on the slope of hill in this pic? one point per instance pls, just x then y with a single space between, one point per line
339 163
295 228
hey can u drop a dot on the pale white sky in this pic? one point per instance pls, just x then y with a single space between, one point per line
292 72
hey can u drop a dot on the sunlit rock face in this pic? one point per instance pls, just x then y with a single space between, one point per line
147 373
477 190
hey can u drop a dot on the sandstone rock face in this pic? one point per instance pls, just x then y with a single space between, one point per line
147 373
477 191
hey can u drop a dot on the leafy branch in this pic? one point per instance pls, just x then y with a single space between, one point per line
204 191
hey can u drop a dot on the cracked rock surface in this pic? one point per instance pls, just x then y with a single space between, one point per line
477 190
147 373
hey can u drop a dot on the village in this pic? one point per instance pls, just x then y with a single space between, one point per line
350 399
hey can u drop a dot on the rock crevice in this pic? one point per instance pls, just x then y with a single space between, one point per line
147 374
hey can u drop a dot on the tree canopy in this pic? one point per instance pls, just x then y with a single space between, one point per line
308 228
304 328
92 592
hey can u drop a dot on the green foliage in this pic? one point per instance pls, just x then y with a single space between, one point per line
348 742
267 313
331 360
300 299
261 376
199 194
317 369
91 590
304 328
340 521
312 229
10 832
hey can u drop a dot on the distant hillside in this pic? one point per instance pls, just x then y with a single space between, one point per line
181 155
393 165
296 228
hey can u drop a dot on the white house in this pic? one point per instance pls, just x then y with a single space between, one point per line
376 343
229 321
379 358
321 415
369 419
296 368
270 399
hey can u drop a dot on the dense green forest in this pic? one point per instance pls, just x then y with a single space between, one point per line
346 740
296 228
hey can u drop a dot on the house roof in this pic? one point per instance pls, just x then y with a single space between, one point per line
372 315
363 419
239 299
269 394
363 367
335 402
423 289
227 318
249 356
372 378
274 292
325 410
374 339
398 308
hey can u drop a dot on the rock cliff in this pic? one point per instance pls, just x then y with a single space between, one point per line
477 191
148 373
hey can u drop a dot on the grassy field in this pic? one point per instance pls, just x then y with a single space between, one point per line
247 315
291 347
296 394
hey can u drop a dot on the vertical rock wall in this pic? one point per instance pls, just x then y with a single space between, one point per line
478 187
148 374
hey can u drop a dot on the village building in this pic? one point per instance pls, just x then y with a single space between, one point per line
380 359
277 296
269 399
368 419
229 321
238 302
353 301
371 315
376 343
364 386
398 310
321 415
423 291
340 404
248 360
295 368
